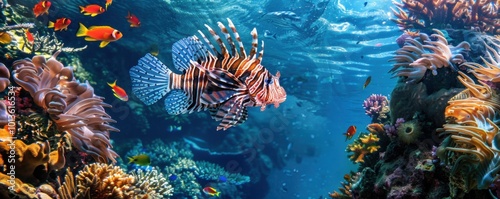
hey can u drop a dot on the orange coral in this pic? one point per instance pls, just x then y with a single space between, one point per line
375 128
365 144
460 14
345 190
30 157
472 123
17 186
369 138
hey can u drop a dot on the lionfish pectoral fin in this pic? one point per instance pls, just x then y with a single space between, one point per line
176 102
186 50
150 79
224 80
232 113
215 95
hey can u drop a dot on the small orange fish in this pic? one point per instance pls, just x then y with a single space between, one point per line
92 10
29 36
60 24
133 20
118 92
108 2
350 132
41 7
367 81
378 44
211 191
105 34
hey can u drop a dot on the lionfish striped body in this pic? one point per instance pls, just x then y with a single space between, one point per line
223 83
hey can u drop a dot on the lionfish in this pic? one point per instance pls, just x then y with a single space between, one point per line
223 83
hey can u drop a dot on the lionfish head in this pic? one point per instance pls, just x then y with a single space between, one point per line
274 92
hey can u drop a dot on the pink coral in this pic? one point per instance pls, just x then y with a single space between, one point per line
374 104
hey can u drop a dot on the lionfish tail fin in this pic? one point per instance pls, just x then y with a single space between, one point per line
150 79
186 50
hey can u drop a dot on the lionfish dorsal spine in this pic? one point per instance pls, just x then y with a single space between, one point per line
255 43
243 53
208 42
229 40
217 38
261 52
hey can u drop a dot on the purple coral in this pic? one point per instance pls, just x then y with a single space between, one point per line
391 130
373 105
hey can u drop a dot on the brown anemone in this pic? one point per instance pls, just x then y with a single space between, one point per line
73 106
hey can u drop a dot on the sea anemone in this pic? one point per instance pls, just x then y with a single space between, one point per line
4 77
409 132
416 57
73 106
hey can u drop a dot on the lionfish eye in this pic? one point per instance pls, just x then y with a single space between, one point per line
269 81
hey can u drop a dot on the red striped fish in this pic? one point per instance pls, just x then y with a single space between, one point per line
223 82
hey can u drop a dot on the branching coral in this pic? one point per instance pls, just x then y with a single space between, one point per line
104 181
43 44
345 190
365 144
460 14
152 183
377 107
73 106
209 171
416 57
177 160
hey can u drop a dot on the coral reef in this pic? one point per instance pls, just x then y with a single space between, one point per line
177 160
211 171
100 180
152 183
443 91
458 14
376 106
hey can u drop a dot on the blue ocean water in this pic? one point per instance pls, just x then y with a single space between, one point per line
324 50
